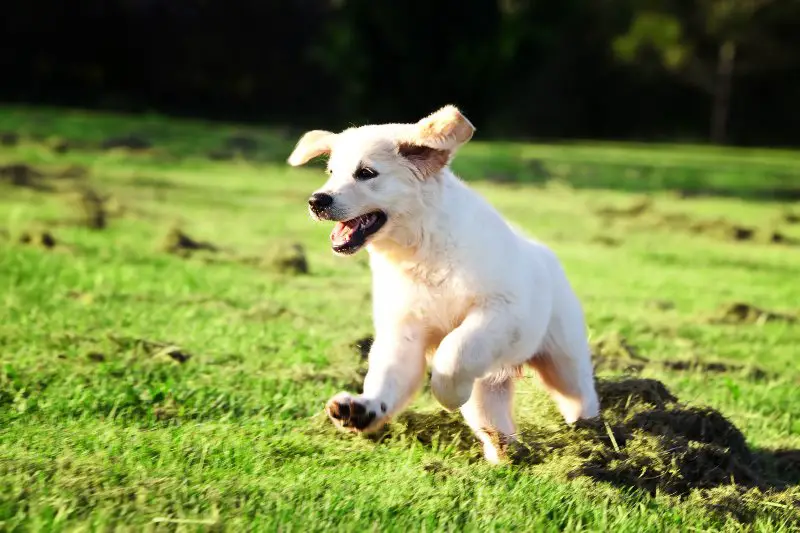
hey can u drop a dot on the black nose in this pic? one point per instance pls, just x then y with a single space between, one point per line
319 201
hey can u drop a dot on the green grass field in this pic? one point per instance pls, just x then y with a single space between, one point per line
149 382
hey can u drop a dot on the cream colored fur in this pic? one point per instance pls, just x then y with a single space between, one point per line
454 285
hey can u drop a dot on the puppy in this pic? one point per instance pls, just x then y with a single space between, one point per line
454 285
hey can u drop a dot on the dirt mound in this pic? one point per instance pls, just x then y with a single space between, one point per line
634 391
606 240
25 176
661 445
646 440
744 313
73 172
22 175
287 258
635 209
614 353
646 216
117 345
178 243
40 238
91 208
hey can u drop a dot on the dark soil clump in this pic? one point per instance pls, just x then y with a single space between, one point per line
22 175
73 172
616 354
289 259
647 440
91 208
606 240
43 239
177 242
636 209
744 313
363 346
776 237
155 349
627 392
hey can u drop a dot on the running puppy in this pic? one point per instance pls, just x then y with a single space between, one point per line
453 283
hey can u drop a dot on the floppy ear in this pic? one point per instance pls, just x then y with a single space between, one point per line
426 160
434 140
446 129
312 144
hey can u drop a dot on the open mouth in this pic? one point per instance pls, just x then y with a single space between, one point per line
350 235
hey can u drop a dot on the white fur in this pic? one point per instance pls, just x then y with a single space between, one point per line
454 281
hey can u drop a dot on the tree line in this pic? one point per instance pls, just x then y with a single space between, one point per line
721 71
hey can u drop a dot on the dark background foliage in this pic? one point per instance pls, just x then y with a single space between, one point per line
727 71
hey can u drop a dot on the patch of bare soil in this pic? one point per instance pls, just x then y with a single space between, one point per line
606 240
790 217
744 313
26 176
783 194
290 259
22 175
614 353
91 208
73 172
635 209
178 243
281 257
39 238
157 350
719 228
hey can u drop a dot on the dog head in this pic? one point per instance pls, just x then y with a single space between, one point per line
379 174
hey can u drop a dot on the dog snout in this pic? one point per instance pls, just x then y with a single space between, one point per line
319 201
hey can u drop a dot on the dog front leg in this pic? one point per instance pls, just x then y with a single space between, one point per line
396 369
468 353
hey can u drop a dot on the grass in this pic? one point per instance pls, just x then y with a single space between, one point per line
146 383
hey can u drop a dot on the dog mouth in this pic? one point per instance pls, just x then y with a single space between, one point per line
349 236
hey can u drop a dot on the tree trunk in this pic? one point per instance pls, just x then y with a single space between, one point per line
723 83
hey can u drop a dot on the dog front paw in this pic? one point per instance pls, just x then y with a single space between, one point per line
354 413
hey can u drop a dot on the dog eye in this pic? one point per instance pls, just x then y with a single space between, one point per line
365 173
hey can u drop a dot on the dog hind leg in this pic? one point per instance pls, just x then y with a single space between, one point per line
564 365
